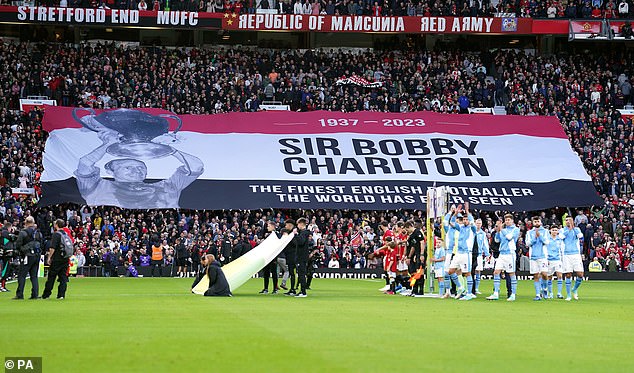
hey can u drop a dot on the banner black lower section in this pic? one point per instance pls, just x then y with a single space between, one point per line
362 195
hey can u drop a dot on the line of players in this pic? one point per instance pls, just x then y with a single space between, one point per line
554 252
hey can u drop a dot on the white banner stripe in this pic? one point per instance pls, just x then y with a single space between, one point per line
261 157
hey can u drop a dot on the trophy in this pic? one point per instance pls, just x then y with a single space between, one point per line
137 131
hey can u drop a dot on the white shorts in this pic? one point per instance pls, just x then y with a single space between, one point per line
391 274
447 262
554 266
572 263
479 263
506 263
539 266
461 261
439 272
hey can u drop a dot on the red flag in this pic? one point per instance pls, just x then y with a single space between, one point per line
356 240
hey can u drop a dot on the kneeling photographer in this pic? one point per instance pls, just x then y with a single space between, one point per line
29 247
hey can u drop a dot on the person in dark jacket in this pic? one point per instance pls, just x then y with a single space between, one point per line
218 285
302 255
182 258
29 243
225 248
270 270
58 264
290 252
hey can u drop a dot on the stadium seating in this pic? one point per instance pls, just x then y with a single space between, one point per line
583 91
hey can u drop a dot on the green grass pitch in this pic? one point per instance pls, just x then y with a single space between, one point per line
155 325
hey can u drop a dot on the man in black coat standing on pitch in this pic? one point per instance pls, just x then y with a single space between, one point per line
303 252
290 251
270 270
29 243
58 264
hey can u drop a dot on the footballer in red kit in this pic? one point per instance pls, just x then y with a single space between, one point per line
388 252
386 234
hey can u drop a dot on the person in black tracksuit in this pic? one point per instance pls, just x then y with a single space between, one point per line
270 270
58 265
312 258
182 257
290 251
28 243
302 254
225 249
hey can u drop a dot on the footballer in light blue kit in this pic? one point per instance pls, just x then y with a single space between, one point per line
555 252
462 260
571 259
450 243
507 236
483 252
439 265
537 240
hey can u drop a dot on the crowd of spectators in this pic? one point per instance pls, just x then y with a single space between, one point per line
586 9
582 90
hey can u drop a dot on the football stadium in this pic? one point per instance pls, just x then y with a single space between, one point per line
316 185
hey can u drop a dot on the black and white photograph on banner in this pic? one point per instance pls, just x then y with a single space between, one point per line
128 135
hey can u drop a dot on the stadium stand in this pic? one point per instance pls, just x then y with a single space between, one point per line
583 90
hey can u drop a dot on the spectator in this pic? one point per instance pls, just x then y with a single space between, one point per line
333 263
595 266
624 9
552 11
307 8
612 264
298 8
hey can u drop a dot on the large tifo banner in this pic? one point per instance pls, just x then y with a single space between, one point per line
153 159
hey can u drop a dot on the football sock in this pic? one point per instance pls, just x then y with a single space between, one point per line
578 282
496 283
550 286
568 284
469 280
